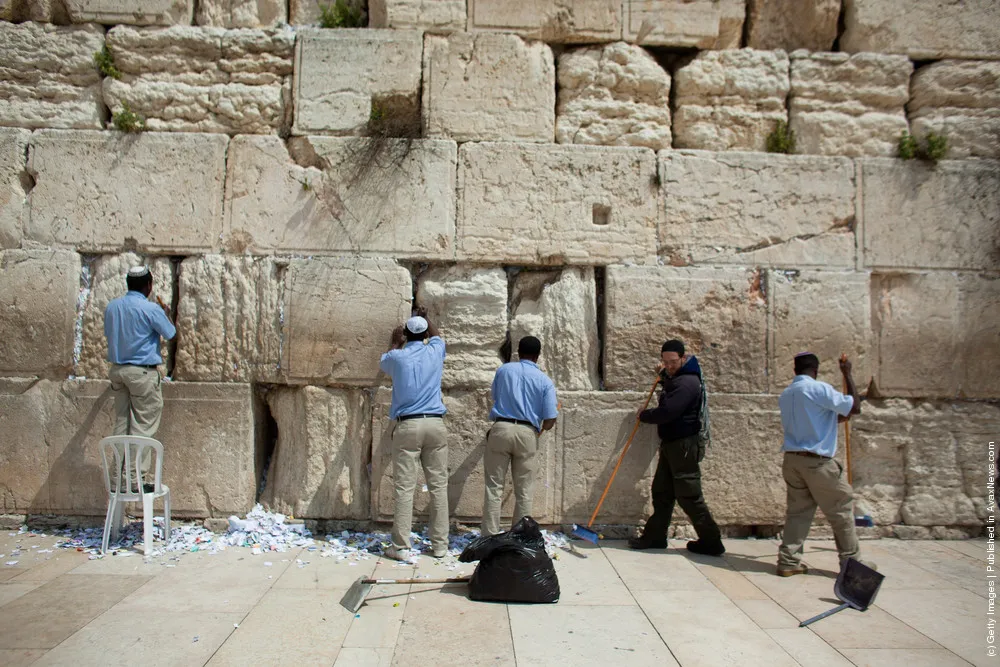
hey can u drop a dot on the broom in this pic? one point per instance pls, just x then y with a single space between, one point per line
861 517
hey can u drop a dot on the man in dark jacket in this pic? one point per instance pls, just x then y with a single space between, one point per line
678 477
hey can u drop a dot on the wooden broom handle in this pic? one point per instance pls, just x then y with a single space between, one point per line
847 432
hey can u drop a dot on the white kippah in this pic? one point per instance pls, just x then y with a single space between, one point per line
416 324
138 271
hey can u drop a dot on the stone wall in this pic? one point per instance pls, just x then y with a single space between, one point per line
593 173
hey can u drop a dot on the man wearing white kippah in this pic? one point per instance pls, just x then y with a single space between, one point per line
419 436
133 326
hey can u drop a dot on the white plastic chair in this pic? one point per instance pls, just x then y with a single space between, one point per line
125 452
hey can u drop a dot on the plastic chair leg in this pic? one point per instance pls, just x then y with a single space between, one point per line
117 520
147 523
108 519
166 517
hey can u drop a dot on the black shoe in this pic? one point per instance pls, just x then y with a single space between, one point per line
148 488
641 543
706 548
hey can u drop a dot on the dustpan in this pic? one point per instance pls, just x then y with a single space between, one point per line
856 587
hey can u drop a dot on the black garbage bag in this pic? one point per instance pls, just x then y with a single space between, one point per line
513 566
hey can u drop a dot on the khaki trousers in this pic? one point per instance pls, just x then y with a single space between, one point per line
813 482
513 445
422 441
138 404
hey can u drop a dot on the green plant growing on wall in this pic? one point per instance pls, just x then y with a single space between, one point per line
106 63
127 120
340 14
906 147
935 147
306 185
781 140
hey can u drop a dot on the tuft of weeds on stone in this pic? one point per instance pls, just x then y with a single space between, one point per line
906 147
306 185
106 63
781 140
127 120
340 14
935 147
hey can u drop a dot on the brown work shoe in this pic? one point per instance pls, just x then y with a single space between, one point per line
791 570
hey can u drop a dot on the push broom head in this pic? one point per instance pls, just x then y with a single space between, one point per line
585 533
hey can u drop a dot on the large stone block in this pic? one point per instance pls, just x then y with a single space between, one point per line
38 296
338 314
189 79
24 456
556 204
961 101
719 314
343 76
437 16
488 86
704 24
14 186
923 463
560 309
792 24
467 423
613 95
942 217
102 191
757 208
823 312
954 316
848 105
148 12
923 29
104 280
469 306
241 13
44 11
359 195
49 78
229 319
318 468
552 21
730 100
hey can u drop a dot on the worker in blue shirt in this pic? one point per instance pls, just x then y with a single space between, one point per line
133 326
524 406
810 411
415 362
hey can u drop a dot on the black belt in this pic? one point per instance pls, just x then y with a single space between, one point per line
153 367
517 421
422 415
810 454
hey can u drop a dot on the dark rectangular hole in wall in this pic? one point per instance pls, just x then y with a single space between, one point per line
265 438
175 296
599 279
602 214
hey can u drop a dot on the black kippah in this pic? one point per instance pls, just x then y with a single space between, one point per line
673 345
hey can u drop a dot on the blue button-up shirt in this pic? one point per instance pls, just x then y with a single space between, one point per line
133 325
809 410
522 391
415 370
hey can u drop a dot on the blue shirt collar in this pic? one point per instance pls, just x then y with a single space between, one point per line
411 343
530 363
134 293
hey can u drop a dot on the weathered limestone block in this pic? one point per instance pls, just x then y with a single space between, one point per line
49 78
38 292
556 204
469 306
309 12
343 76
229 319
148 12
757 208
792 24
338 314
14 183
318 469
188 79
704 24
241 13
953 315
104 280
848 105
923 462
615 95
719 314
24 458
943 217
823 312
488 86
923 29
960 100
467 423
730 100
329 194
560 309
552 21
44 11
437 16
102 191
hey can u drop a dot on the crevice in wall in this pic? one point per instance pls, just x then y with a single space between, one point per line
265 438
27 178
747 27
175 296
506 350
83 296
600 285
841 25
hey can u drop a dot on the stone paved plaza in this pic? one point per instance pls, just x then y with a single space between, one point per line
617 607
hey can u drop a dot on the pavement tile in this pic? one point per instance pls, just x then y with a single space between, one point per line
9 572
768 614
941 561
807 648
325 573
972 548
900 657
364 657
732 583
20 657
579 635
590 581
52 565
656 570
443 626
943 616
12 591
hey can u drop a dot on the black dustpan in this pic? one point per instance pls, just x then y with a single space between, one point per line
856 586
